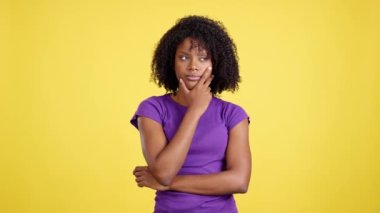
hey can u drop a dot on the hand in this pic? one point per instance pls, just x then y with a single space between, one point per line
145 179
199 97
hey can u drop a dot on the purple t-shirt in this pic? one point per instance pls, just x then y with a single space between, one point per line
206 154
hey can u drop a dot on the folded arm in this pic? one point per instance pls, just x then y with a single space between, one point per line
159 154
235 179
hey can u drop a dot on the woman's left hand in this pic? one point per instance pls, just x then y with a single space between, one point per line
145 179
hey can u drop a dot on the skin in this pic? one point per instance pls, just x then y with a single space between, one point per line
193 70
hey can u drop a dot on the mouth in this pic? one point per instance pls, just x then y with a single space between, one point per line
193 78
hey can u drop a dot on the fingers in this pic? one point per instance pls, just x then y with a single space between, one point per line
206 75
139 178
138 174
182 86
140 182
139 168
208 81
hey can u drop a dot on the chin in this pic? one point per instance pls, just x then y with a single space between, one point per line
190 86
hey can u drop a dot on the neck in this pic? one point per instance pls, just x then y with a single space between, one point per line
179 98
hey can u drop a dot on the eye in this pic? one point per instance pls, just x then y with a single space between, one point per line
183 57
203 59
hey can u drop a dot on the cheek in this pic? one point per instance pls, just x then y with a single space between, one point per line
179 69
177 65
177 72
207 64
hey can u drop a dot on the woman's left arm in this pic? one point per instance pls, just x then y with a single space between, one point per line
235 179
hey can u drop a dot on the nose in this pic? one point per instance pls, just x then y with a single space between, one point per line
193 66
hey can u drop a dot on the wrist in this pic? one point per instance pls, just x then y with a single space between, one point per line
194 112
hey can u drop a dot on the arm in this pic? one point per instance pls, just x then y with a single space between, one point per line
234 180
158 153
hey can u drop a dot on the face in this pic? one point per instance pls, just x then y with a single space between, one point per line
191 61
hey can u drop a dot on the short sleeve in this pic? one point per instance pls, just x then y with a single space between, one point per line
234 114
150 108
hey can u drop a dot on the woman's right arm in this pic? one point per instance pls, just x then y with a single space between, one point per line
166 159
234 179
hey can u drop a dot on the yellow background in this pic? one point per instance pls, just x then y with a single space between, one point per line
73 72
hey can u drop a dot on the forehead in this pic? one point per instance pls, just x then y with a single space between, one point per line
190 44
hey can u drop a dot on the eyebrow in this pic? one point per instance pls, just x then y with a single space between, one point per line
188 53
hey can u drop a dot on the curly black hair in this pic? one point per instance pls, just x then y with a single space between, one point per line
210 35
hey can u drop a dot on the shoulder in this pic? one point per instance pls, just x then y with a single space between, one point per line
154 101
226 106
155 104
231 113
153 107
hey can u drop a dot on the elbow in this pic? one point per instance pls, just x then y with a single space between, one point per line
242 189
163 177
165 181
242 186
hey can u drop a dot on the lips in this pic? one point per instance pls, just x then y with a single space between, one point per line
193 78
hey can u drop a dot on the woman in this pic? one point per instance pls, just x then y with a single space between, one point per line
195 144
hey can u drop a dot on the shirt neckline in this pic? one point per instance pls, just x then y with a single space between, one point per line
168 96
174 102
